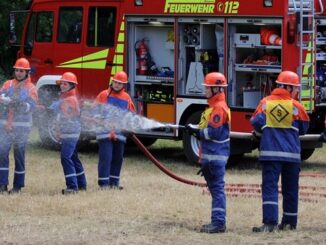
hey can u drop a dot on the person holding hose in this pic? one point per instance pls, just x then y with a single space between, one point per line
278 121
213 132
112 143
69 127
18 98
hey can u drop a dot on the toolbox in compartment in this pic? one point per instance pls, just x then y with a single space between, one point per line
246 39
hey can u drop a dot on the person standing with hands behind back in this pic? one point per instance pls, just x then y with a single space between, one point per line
214 135
69 126
18 98
111 143
279 120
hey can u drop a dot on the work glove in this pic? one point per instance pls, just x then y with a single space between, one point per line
256 135
55 106
193 130
5 100
112 136
20 106
322 137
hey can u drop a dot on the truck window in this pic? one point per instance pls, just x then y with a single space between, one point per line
39 29
70 25
29 38
44 25
101 26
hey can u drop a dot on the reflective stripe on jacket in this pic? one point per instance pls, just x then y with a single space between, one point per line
69 115
120 99
280 120
23 92
215 131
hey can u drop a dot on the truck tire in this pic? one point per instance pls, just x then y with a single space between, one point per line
190 143
306 153
46 130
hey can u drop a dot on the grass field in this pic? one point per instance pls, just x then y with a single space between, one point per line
152 208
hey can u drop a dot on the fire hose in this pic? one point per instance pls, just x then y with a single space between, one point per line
162 167
233 190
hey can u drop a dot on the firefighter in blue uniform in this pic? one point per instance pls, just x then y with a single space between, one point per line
279 120
69 128
213 132
18 98
112 143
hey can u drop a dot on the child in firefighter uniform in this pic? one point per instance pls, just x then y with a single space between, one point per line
18 98
213 133
279 120
112 143
69 127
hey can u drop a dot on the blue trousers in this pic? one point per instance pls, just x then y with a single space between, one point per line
72 166
110 161
290 190
214 176
17 137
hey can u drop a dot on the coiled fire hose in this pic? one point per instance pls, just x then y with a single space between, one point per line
162 167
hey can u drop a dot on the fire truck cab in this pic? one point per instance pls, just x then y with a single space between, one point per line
167 47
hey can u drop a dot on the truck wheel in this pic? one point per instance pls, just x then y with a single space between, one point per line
306 153
190 143
46 130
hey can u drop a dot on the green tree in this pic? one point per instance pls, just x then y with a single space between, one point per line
7 52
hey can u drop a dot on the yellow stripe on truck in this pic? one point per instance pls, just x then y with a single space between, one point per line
118 58
95 64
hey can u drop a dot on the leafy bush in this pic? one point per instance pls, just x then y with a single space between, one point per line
7 53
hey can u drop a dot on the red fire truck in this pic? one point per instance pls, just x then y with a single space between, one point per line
167 47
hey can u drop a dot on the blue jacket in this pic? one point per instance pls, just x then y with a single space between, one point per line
69 115
280 120
122 101
23 96
215 131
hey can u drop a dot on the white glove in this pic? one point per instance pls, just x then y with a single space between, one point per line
5 99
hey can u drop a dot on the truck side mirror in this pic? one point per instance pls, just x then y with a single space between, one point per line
12 30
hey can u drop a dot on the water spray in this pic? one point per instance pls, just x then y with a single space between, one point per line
112 118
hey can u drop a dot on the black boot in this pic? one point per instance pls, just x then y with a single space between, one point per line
265 228
3 189
14 190
82 188
69 191
286 227
116 187
210 228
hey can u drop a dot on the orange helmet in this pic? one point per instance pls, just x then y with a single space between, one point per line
22 63
120 77
215 79
288 78
68 77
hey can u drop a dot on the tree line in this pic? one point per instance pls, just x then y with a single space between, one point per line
8 53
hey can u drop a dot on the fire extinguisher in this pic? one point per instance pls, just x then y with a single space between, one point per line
142 56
